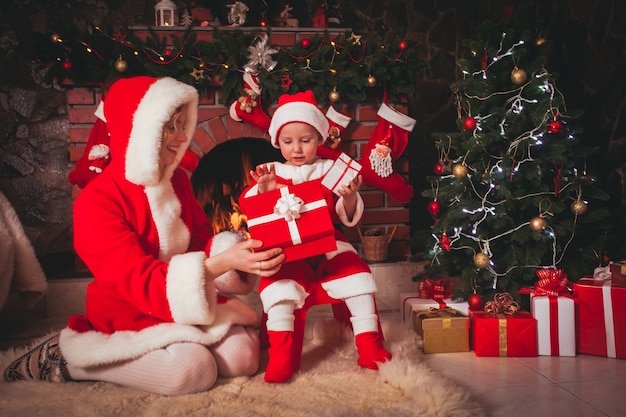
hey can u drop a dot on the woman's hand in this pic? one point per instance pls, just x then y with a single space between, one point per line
265 177
242 258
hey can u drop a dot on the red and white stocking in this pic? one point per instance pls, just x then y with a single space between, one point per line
96 155
387 143
248 107
337 122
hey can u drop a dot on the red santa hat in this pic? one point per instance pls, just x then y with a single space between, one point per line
299 107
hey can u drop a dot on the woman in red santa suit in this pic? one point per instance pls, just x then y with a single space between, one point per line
158 313
297 128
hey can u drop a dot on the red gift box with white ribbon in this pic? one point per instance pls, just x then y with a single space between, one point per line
600 318
344 170
294 218
553 307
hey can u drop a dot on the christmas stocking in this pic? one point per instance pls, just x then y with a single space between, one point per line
95 158
387 143
338 122
248 108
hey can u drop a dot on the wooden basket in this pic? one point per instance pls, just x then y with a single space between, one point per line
375 247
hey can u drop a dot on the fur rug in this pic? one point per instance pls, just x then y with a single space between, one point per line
329 383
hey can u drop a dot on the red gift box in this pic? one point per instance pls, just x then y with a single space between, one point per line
294 218
600 318
503 334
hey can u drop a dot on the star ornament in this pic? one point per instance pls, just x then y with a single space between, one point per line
261 55
356 39
197 73
286 82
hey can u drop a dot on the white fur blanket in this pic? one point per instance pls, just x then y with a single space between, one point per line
19 268
329 383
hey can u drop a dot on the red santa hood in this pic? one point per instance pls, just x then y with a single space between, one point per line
135 111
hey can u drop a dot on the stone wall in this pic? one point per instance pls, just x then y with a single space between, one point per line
588 53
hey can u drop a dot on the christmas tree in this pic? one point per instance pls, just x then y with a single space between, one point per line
510 193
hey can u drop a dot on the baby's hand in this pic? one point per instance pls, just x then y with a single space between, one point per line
349 191
265 177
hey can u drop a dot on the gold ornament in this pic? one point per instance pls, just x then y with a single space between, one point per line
459 171
540 41
537 224
579 207
121 65
334 96
518 76
371 81
481 260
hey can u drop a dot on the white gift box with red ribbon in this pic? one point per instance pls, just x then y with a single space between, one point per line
344 170
411 301
556 330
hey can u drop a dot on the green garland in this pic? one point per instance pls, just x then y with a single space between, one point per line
322 63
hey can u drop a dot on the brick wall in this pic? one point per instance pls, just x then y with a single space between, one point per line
215 126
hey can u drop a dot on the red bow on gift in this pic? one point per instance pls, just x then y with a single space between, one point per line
436 289
503 303
552 283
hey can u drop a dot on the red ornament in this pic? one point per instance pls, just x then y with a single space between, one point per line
469 124
167 52
554 126
67 65
445 242
475 302
438 169
263 22
434 208
305 43
402 45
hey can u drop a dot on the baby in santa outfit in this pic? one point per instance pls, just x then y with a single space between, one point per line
297 128
158 314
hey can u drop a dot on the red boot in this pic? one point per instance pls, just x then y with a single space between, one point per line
371 350
280 366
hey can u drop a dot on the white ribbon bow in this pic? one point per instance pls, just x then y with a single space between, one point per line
289 207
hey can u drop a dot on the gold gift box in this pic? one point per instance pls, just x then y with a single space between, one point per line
618 273
442 330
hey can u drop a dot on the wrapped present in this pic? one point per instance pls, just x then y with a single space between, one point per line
294 218
344 170
600 318
411 301
502 329
442 330
618 273
553 308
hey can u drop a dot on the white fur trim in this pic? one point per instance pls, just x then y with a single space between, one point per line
94 348
351 286
338 118
192 299
98 151
298 111
224 241
155 109
358 212
233 111
342 247
283 290
165 208
396 118
100 112
303 173
252 82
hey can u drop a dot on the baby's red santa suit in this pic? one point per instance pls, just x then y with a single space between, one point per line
149 222
387 143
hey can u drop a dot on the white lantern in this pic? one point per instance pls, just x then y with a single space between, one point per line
165 13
